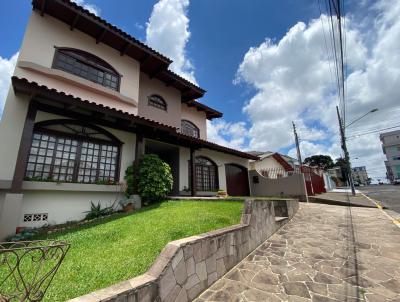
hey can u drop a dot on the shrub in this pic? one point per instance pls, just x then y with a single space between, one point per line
131 178
97 211
25 234
155 178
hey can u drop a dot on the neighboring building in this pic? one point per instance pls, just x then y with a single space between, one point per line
391 148
273 164
336 175
360 175
86 101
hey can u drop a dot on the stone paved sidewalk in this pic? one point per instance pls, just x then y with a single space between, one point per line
326 253
344 199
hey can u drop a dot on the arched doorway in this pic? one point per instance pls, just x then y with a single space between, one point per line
206 174
237 180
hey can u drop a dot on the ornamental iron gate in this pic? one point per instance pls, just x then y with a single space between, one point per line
28 267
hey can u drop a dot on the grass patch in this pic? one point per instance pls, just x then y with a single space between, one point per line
123 246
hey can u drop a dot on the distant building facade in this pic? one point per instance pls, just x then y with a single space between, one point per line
360 175
391 148
336 174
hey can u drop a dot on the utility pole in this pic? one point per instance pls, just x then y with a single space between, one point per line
296 138
346 153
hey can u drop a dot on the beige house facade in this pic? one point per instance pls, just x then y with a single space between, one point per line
86 101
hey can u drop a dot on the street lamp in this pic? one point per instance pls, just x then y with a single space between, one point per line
356 120
344 146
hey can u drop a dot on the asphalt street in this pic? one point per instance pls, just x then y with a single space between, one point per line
389 195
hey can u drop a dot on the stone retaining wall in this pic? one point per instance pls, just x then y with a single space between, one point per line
188 266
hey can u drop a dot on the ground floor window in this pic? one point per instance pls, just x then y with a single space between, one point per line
206 174
69 151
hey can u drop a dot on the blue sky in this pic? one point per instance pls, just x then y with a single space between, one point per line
263 64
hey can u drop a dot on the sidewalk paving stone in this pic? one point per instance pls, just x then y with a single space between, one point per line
325 253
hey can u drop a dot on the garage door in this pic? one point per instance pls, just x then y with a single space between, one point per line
237 181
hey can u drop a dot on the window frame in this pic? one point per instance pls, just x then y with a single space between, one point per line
39 128
90 60
191 124
152 103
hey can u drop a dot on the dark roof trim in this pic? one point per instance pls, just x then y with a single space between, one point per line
151 62
282 162
210 113
206 144
35 90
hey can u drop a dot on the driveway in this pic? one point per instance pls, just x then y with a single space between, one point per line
389 195
326 253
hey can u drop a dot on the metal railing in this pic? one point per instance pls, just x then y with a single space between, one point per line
28 267
278 172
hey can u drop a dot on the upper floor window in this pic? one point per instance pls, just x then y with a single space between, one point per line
157 101
72 151
188 128
87 66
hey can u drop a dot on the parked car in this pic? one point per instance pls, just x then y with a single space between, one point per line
356 184
396 181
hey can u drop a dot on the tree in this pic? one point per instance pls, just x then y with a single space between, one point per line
341 162
322 161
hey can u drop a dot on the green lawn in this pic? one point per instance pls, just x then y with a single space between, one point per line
124 246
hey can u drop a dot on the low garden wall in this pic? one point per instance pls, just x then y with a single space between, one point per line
188 266
292 186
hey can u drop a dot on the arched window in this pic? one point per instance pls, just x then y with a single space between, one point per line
157 101
88 66
73 151
188 128
206 174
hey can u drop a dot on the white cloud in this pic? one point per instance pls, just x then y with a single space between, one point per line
232 135
94 9
294 81
6 70
168 32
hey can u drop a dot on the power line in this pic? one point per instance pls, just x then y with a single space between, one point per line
327 49
374 131
375 128
333 41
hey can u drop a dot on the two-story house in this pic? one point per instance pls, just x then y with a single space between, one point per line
86 101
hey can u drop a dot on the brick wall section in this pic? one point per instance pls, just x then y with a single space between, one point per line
188 266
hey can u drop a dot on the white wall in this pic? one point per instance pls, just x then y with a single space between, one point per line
62 206
171 95
184 157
